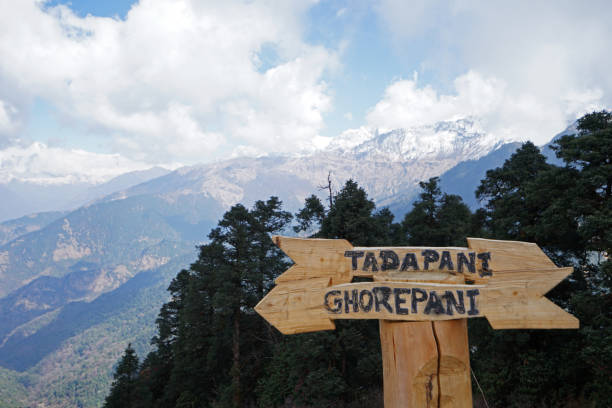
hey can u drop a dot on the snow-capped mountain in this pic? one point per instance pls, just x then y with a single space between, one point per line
387 165
435 141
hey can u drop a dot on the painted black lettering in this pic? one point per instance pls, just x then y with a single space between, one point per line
451 302
370 262
418 295
354 255
463 260
337 301
390 260
352 301
429 256
446 261
366 307
410 261
399 301
381 297
485 257
434 304
472 293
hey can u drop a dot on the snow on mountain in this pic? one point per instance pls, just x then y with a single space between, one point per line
387 165
440 140
351 138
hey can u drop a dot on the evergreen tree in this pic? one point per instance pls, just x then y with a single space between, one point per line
588 155
510 215
159 364
123 389
310 217
350 216
438 219
209 328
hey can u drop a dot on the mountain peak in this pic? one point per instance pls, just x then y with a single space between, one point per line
433 141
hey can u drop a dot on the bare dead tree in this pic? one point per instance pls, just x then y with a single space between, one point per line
329 188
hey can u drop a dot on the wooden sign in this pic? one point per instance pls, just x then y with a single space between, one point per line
504 281
422 298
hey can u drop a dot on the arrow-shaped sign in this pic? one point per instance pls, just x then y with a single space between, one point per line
504 281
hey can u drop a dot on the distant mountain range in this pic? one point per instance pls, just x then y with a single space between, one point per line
76 286
388 165
24 197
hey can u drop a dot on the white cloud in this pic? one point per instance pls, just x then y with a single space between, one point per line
247 151
176 79
404 104
7 117
40 163
546 62
501 111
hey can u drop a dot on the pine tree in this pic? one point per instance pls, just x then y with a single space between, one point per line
209 327
123 389
438 219
311 216
589 155
504 193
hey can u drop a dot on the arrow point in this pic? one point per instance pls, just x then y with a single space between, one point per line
315 258
295 307
511 255
537 314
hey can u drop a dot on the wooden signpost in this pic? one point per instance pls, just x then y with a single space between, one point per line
422 297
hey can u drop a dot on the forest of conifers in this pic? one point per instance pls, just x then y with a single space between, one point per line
213 350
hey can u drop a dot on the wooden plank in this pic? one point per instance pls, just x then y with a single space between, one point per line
511 255
315 258
509 300
337 259
294 307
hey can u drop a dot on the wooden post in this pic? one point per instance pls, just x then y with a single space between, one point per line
426 364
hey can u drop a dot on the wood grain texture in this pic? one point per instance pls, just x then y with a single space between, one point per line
512 255
510 300
410 364
315 258
425 364
294 307
511 281
455 380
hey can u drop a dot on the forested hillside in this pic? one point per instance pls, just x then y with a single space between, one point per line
212 350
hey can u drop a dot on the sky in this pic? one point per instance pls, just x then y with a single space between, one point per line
97 88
